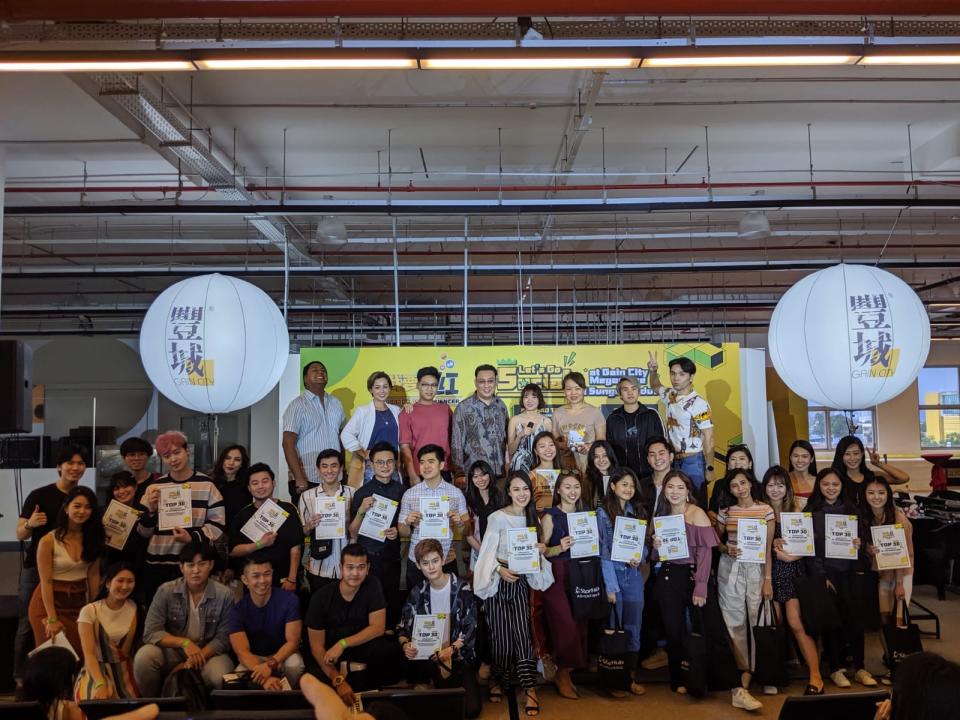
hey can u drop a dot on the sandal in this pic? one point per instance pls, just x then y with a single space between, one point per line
531 710
813 690
494 693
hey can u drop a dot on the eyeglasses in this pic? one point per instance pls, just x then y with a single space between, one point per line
429 385
383 463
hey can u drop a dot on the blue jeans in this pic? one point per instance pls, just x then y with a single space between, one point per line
23 642
695 466
630 603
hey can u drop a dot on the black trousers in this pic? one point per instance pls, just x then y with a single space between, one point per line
382 658
387 570
851 632
651 628
463 675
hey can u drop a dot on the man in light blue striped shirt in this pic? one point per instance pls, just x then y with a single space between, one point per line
311 424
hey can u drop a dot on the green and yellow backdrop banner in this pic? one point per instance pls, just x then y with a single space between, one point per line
717 378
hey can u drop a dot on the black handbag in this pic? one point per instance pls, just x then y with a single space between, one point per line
588 598
769 648
693 666
865 594
612 669
900 642
818 604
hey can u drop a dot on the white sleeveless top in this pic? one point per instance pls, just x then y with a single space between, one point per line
65 568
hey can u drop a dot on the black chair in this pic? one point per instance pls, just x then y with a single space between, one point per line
21 711
841 706
259 700
98 709
446 703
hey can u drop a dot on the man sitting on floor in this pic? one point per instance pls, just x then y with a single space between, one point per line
345 625
265 628
186 626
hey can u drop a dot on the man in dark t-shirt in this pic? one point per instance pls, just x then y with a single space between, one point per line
345 625
384 553
284 548
38 516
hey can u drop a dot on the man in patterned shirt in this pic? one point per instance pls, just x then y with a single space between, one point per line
689 422
480 425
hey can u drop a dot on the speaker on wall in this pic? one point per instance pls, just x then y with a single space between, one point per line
16 411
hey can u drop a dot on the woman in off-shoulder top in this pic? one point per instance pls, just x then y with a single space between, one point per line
682 582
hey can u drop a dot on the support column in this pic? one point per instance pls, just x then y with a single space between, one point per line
2 191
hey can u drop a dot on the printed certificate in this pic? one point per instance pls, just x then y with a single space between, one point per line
428 631
547 476
267 519
752 540
891 544
672 532
174 509
379 518
796 529
523 556
839 532
628 538
118 521
434 522
585 534
333 517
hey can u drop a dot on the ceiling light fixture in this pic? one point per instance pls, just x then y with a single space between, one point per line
910 60
529 63
747 61
95 66
308 63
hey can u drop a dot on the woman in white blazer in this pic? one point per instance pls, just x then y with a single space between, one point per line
371 423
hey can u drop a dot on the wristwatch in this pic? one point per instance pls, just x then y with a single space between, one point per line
339 680
272 663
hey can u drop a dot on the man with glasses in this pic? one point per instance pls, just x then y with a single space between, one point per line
384 555
480 425
426 422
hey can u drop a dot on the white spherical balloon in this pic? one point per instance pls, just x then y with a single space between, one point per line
849 337
214 343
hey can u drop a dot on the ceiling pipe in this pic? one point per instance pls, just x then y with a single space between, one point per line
508 269
473 189
106 10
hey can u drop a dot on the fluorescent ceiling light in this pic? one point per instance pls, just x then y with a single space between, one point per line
96 66
528 63
326 63
910 60
748 60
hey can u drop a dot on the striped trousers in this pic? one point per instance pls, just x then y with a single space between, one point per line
508 622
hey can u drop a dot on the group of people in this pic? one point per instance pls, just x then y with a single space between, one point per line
251 590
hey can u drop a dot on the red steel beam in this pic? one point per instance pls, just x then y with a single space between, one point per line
103 10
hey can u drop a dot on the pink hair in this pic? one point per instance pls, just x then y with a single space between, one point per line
170 440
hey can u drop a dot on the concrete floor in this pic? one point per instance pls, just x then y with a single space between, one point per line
594 703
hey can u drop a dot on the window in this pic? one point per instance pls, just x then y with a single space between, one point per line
939 400
828 426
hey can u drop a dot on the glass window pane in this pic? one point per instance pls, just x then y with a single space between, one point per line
818 432
939 386
939 428
840 426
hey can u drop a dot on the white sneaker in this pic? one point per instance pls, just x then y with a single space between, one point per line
865 678
656 661
840 679
741 698
770 690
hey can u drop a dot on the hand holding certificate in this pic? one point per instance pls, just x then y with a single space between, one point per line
379 518
267 519
434 520
752 540
585 534
796 529
174 508
672 532
428 632
523 555
332 516
118 521
628 539
839 532
891 544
